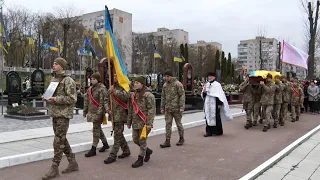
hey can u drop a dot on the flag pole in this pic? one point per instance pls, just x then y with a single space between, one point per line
109 74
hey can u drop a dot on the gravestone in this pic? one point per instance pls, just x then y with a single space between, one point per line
188 77
89 72
13 88
160 81
148 81
103 70
37 82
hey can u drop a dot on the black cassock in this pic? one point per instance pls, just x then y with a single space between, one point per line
215 130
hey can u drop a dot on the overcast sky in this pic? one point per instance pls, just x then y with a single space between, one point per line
224 21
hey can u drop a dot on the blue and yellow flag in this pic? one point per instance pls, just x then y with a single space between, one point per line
3 29
177 57
113 53
88 46
156 53
59 43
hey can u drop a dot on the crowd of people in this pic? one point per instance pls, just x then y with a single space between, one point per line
266 101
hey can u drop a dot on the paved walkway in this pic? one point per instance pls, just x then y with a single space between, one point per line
303 163
24 146
227 157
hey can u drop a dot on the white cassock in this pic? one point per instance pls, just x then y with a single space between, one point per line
214 90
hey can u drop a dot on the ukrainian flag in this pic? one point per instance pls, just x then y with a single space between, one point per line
157 54
178 58
3 29
113 53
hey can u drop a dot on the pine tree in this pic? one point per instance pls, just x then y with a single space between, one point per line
217 61
232 71
224 67
182 63
229 65
186 53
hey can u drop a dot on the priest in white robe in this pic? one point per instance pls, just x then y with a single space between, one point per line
216 107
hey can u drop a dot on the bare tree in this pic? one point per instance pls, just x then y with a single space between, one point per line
68 17
311 9
261 34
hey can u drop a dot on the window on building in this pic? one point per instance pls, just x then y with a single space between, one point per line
270 43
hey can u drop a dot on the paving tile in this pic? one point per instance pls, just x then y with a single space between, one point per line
301 173
289 161
276 172
291 177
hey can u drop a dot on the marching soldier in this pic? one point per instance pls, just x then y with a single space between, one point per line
246 88
61 111
285 100
277 100
267 100
172 105
142 110
120 113
94 111
256 92
296 96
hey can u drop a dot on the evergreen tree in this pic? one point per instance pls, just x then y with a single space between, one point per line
224 67
186 53
232 71
182 51
229 65
217 59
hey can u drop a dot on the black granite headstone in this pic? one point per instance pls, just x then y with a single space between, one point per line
13 88
160 81
37 82
148 81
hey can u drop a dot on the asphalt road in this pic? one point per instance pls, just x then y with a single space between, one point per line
228 157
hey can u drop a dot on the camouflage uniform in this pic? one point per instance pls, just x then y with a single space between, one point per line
119 119
256 92
267 101
147 104
277 102
247 101
95 115
285 101
172 100
296 102
61 112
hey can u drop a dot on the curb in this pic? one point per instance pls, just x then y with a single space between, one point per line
76 148
30 134
276 158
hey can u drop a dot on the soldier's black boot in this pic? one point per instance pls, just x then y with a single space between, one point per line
110 160
92 152
104 147
297 119
165 144
269 126
148 154
265 129
254 123
180 142
124 155
248 125
138 163
281 123
275 125
260 121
